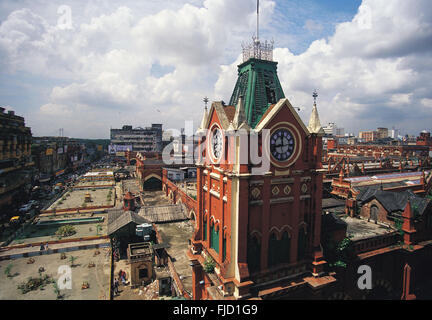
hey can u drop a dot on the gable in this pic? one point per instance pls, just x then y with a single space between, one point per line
218 114
281 111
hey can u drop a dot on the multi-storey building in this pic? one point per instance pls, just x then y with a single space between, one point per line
259 223
424 139
383 133
16 165
147 139
368 136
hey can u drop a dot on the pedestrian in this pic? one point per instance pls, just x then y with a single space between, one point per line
42 247
123 277
46 246
116 286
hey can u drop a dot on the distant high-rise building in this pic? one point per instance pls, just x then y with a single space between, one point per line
330 129
394 133
340 131
368 136
424 139
16 165
382 133
147 139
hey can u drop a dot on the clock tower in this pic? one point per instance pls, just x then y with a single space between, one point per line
259 192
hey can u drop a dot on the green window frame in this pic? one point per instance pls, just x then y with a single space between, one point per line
254 254
214 238
205 231
224 249
285 244
273 250
302 243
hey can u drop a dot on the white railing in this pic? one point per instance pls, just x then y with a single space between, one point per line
258 50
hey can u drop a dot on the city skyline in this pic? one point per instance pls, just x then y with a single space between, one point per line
126 63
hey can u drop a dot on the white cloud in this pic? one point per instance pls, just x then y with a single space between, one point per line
374 70
105 63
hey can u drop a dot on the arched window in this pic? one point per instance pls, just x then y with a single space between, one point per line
285 244
205 229
214 238
224 248
273 250
254 254
374 213
302 243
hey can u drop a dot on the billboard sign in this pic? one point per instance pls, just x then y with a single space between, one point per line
114 148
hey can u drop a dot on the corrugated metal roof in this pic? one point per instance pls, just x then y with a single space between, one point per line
166 213
119 219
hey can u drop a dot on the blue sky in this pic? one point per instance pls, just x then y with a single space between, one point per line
125 59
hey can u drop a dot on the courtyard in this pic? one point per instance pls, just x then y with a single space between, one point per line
76 199
92 266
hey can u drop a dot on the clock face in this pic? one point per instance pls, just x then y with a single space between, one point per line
282 144
216 143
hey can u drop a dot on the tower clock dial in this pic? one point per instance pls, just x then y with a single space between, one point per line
282 144
216 143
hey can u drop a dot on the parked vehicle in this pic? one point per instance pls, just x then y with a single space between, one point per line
25 208
15 221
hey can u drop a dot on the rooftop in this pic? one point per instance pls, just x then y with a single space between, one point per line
362 229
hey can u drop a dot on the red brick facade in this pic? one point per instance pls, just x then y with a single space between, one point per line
258 211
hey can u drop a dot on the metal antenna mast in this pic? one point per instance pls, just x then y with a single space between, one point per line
257 32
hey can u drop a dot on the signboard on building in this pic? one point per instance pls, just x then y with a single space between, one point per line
99 147
59 150
59 172
120 154
114 148
49 152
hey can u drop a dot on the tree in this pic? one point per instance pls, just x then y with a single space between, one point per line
65 231
209 265
8 270
57 290
98 229
342 253
72 260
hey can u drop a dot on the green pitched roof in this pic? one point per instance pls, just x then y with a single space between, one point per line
259 84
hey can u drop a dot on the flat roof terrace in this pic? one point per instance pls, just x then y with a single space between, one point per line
98 277
361 229
99 173
177 234
155 198
413 177
75 199
35 233
190 188
93 184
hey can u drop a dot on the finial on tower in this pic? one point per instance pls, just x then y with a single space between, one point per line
315 96
206 100
314 121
